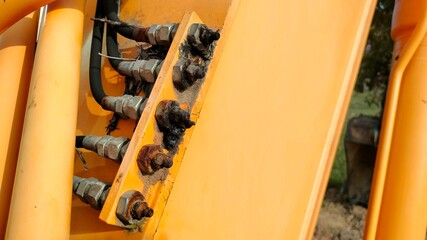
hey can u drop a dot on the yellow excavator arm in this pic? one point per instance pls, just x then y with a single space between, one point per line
198 119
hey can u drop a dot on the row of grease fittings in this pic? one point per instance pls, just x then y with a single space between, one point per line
140 75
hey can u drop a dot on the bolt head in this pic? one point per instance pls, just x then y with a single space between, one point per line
194 37
178 73
194 32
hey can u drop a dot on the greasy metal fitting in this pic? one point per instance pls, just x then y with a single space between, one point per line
172 121
162 34
76 182
152 158
132 207
151 69
185 73
201 37
127 106
94 194
169 114
152 34
91 191
141 70
82 187
113 148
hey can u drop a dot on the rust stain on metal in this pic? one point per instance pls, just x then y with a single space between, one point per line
119 178
152 158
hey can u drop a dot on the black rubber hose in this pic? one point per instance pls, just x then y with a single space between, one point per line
79 141
95 59
111 9
113 47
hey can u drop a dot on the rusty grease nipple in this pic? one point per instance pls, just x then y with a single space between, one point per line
152 158
172 121
132 207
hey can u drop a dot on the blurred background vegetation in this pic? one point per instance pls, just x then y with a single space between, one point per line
369 92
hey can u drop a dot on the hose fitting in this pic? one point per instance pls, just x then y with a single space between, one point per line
146 70
91 191
113 148
162 34
127 106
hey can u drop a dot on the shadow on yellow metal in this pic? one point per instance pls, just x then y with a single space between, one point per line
41 200
17 46
397 209
11 11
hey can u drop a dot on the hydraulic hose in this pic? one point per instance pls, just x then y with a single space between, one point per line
113 48
95 59
128 68
126 106
79 141
111 8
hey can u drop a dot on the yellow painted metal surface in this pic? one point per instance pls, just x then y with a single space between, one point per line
17 46
11 11
260 156
41 200
397 208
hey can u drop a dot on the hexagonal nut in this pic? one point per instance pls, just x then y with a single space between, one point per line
193 36
194 31
125 205
76 182
151 34
164 34
148 71
178 71
136 68
162 113
94 193
195 71
114 148
131 107
145 156
83 187
101 145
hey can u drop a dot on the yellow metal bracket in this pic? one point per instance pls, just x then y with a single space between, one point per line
157 187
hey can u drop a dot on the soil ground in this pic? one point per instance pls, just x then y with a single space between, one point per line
339 220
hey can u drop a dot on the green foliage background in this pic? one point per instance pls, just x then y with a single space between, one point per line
372 80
